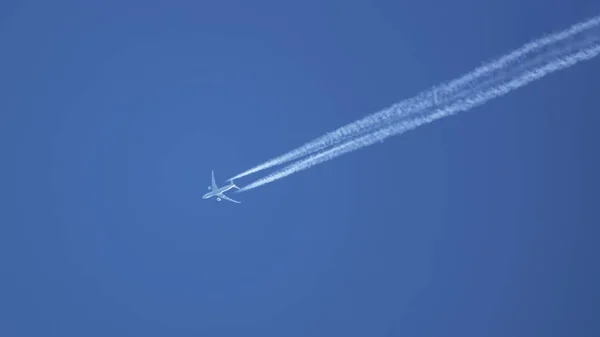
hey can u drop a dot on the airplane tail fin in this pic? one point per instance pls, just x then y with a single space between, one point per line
232 183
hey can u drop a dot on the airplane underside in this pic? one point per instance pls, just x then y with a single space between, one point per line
217 192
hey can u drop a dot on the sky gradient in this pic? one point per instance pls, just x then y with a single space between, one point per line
114 114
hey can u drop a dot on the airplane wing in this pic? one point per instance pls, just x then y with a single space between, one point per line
214 183
228 198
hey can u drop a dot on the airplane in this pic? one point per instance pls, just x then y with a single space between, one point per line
216 191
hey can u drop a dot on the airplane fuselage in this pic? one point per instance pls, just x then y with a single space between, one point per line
219 191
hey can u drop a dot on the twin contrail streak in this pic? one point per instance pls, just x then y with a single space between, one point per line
461 87
461 105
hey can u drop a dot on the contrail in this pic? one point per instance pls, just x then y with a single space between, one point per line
441 94
551 65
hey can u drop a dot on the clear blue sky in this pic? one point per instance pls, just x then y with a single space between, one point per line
113 114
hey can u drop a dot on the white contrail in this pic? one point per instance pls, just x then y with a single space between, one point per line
526 49
460 87
465 104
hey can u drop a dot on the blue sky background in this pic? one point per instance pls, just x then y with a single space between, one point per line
113 114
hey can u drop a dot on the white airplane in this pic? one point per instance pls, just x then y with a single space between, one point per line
216 191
